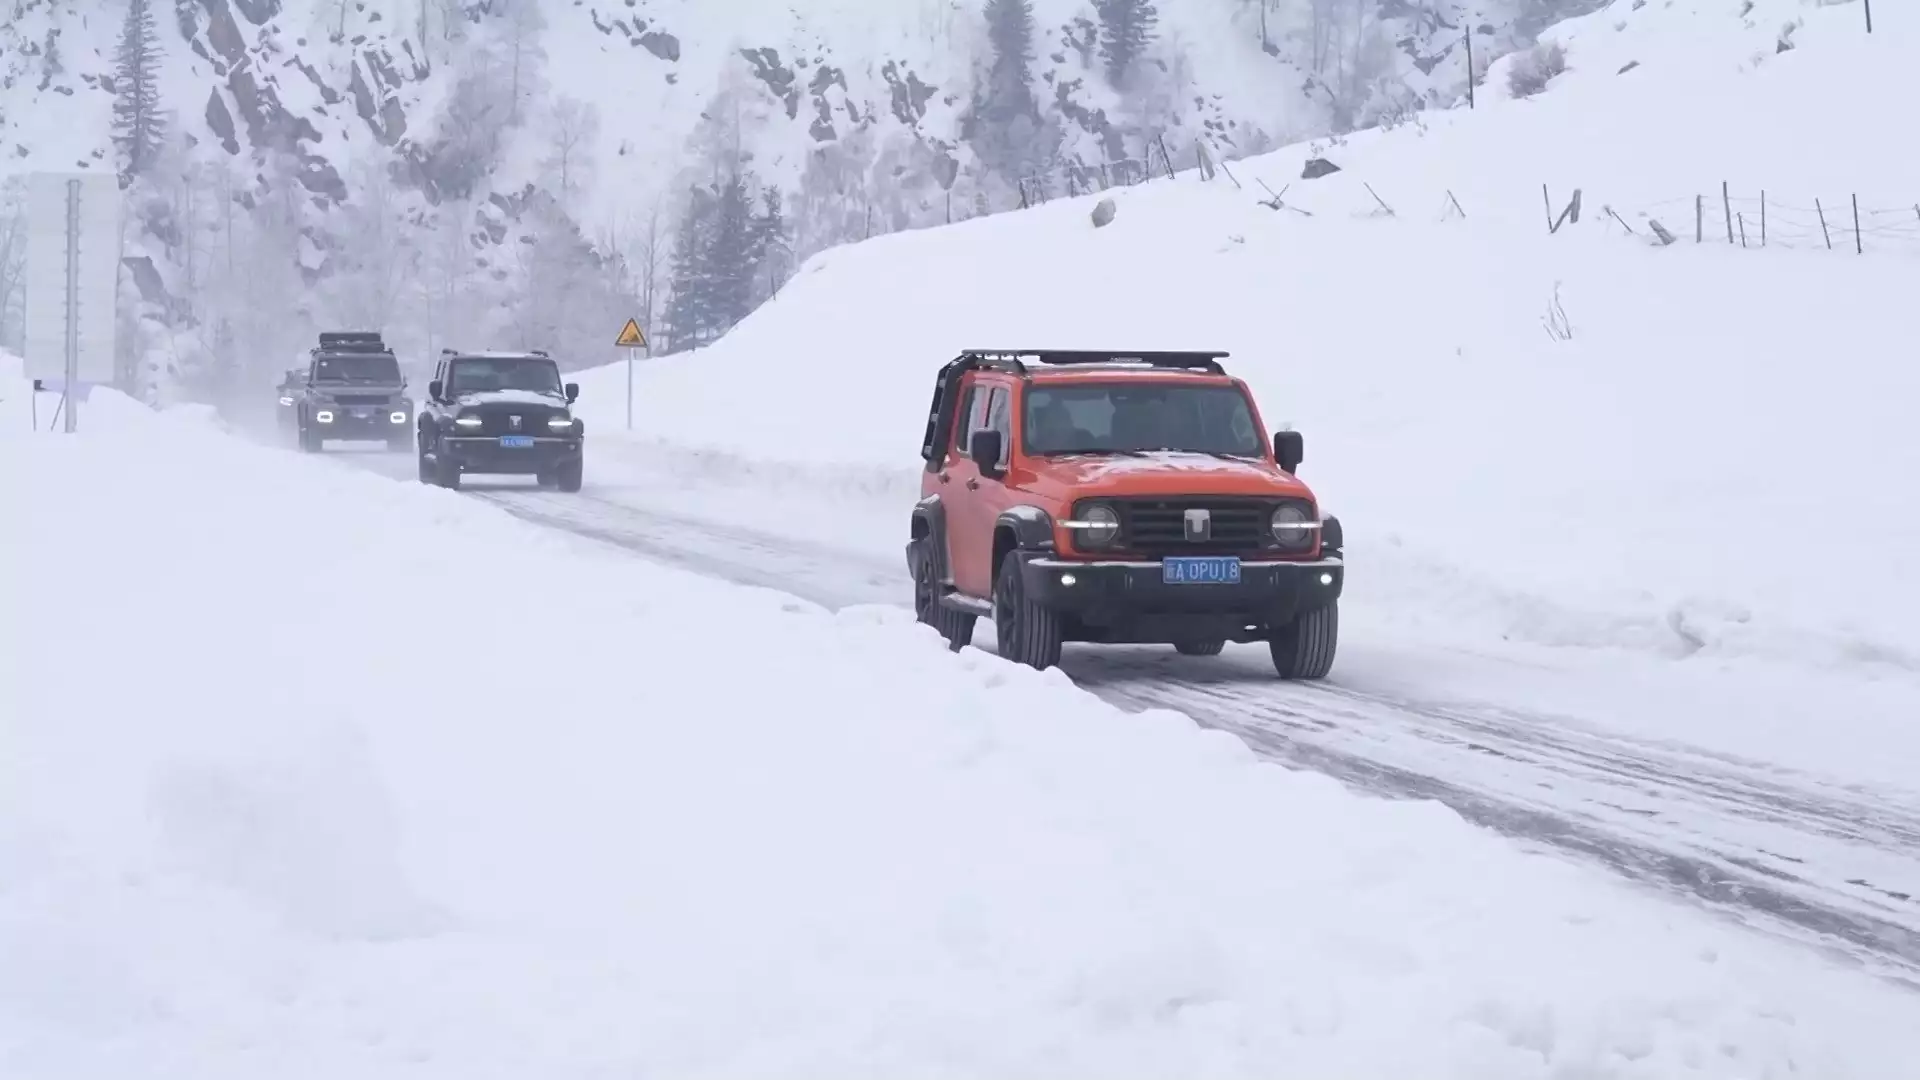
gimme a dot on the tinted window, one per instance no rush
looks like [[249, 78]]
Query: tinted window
[[470, 374], [349, 368], [1106, 418]]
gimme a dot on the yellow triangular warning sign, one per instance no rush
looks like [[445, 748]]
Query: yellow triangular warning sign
[[631, 337]]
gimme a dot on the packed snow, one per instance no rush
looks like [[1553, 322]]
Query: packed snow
[[375, 781]]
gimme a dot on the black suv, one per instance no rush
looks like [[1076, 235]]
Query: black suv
[[353, 389], [505, 413]]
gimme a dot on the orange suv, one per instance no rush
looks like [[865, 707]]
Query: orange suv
[[1120, 498]]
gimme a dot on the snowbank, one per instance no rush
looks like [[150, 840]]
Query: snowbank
[[322, 775], [1576, 439]]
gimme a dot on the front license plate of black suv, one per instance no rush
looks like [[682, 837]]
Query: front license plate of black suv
[[1201, 570], [516, 440]]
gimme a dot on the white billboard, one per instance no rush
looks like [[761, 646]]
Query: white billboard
[[95, 240]]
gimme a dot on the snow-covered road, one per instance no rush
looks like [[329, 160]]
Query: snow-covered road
[[1830, 863]]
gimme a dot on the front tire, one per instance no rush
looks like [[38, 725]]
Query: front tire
[[568, 477], [1029, 633], [955, 626], [1304, 648], [1200, 648], [446, 472]]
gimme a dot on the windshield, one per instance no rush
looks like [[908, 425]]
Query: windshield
[[372, 368], [476, 373], [1120, 418]]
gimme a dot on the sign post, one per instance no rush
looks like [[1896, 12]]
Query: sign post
[[72, 273], [631, 338]]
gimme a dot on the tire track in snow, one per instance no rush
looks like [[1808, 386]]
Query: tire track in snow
[[1631, 806]]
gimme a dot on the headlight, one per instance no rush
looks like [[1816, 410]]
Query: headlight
[[560, 423], [397, 416], [325, 416], [467, 422], [1293, 526], [1097, 526], [286, 401]]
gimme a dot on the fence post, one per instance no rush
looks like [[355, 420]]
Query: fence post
[[1726, 200], [1699, 219], [1548, 200], [1743, 230], [1859, 247], [1165, 158], [1824, 233], [1763, 217], [1869, 7]]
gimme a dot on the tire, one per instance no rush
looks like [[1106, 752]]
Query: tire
[[310, 443], [1029, 634], [568, 477], [955, 626], [426, 469], [446, 473], [1200, 648], [1304, 648]]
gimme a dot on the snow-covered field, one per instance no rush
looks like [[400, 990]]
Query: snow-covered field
[[320, 775]]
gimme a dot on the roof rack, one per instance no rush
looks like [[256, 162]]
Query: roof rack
[[352, 341], [1014, 360]]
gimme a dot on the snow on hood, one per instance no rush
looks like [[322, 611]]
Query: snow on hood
[[511, 397], [1184, 473]]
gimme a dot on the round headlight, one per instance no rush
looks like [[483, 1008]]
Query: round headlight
[[1101, 526], [1289, 526]]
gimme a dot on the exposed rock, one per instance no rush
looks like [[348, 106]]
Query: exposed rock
[[779, 79], [1317, 168], [1103, 213], [221, 121], [664, 46]]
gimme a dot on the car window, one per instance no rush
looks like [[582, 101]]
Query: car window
[[999, 417], [973, 417], [1104, 418]]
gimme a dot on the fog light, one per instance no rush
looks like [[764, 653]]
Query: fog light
[[1326, 579], [398, 417], [324, 417], [1068, 579]]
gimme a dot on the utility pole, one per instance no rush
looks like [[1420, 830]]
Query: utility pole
[[70, 383]]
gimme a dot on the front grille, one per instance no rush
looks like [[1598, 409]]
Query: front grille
[[1238, 526], [498, 419], [362, 400]]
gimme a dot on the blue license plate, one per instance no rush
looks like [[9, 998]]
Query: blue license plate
[[516, 440], [1201, 570]]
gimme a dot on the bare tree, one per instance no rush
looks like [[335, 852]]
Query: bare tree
[[575, 126]]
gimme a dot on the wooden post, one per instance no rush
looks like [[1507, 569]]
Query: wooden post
[[1699, 219], [1824, 233], [1726, 201], [1763, 217], [1869, 7], [1859, 247], [1743, 230], [1165, 158], [1548, 200]]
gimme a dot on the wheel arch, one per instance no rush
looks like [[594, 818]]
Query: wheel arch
[[1020, 528]]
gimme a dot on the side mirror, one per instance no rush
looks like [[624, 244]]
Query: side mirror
[[434, 388], [573, 392], [1289, 449], [984, 448]]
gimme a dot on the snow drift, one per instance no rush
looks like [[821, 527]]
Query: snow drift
[[322, 775]]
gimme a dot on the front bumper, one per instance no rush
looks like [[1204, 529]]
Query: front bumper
[[1126, 600], [350, 424], [484, 454]]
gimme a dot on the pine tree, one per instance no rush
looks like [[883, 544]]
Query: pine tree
[[688, 319], [771, 249], [139, 128], [1005, 125], [1127, 29], [731, 254]]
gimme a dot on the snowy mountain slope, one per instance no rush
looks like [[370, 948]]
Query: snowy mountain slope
[[461, 169], [1623, 484], [872, 858]]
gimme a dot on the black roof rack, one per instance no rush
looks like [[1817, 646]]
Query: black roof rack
[[1015, 360], [352, 341]]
